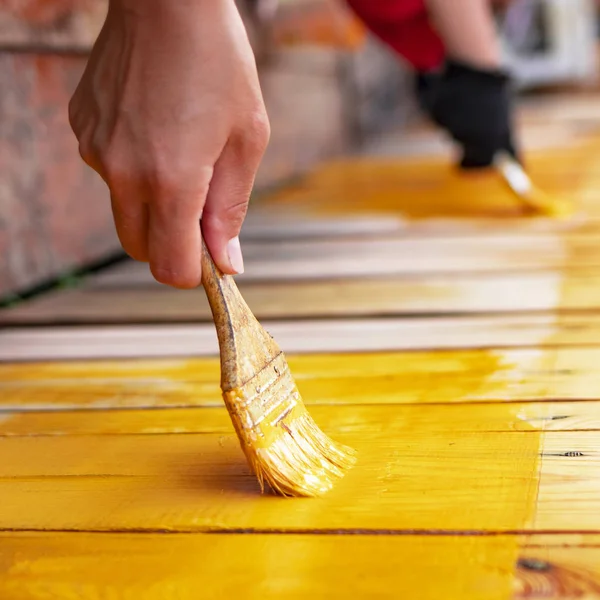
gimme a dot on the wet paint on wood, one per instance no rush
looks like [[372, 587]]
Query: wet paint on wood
[[160, 567], [197, 482]]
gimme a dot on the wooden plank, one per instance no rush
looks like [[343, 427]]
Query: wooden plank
[[288, 221], [569, 467], [298, 337], [327, 259], [570, 470], [558, 567], [372, 378], [456, 294], [40, 565], [477, 479], [359, 419], [36, 566], [431, 189]]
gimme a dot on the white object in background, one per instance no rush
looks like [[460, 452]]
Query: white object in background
[[571, 33]]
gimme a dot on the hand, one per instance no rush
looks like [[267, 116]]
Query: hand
[[474, 106], [169, 112]]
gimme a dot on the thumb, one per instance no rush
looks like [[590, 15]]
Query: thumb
[[227, 204]]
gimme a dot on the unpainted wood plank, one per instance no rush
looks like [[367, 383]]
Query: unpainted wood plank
[[37, 566], [304, 336], [558, 567], [457, 294], [340, 258], [354, 335], [570, 468]]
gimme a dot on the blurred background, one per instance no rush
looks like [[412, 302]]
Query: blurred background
[[330, 90]]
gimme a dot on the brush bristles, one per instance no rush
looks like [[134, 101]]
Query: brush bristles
[[284, 446], [301, 461]]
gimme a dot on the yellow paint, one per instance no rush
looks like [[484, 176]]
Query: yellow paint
[[429, 460], [189, 567], [390, 378], [357, 419], [430, 188], [409, 476], [283, 445]]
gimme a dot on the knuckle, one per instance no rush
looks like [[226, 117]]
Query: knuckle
[[227, 217], [111, 164], [257, 132], [86, 151]]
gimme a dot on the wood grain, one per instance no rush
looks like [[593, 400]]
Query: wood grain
[[158, 567], [36, 566], [558, 567], [186, 482], [304, 336], [393, 419], [458, 294], [371, 378], [130, 474], [196, 482], [368, 378], [386, 255]]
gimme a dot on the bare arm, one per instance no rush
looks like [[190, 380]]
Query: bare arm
[[467, 28]]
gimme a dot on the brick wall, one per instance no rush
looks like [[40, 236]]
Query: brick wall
[[54, 211]]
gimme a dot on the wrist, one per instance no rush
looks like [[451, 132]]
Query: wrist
[[159, 10]]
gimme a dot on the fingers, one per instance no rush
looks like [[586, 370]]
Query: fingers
[[229, 193], [174, 239], [131, 222]]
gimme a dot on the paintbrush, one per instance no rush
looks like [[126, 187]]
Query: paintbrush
[[284, 446], [520, 183]]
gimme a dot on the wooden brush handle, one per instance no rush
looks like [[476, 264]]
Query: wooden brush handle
[[245, 347]]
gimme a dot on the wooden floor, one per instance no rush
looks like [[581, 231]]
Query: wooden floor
[[450, 338]]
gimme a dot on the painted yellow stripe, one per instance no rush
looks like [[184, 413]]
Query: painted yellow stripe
[[160, 567], [425, 475], [388, 378]]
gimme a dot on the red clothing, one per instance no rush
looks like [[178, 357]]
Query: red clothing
[[404, 26]]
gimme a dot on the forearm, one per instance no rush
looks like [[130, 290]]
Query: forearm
[[468, 31]]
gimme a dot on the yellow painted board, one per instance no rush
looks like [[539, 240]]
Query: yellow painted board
[[431, 188], [37, 566], [159, 567], [392, 420], [431, 471], [437, 294], [422, 474], [362, 378]]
